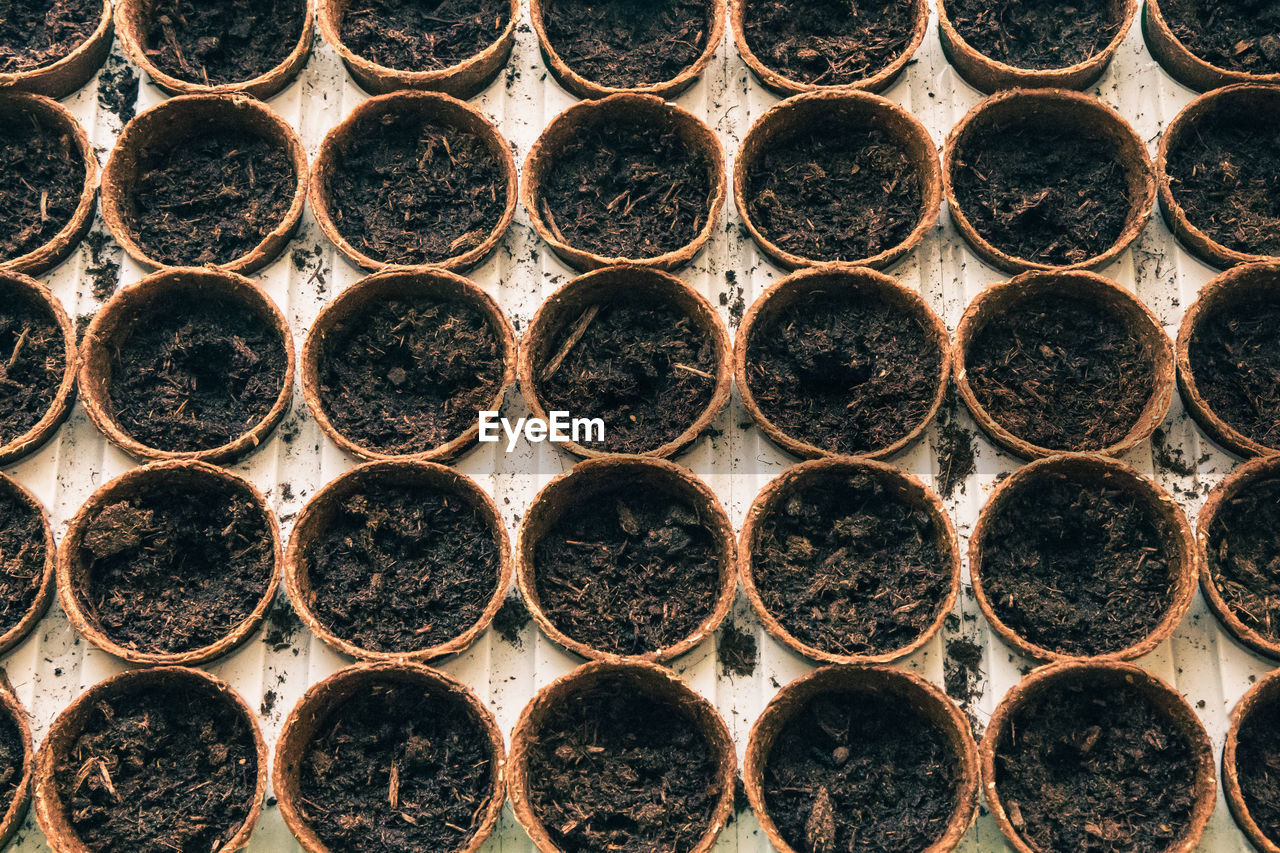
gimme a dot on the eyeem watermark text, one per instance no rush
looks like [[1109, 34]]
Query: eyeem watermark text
[[557, 429]]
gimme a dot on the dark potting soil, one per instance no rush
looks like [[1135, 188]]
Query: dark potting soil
[[1036, 34], [405, 375], [1052, 195], [848, 567], [398, 767], [1238, 35], [834, 193], [36, 33], [1076, 566], [859, 770], [1095, 767], [422, 35], [196, 373], [1061, 372], [213, 42], [402, 568], [1225, 174], [737, 650], [33, 358], [1244, 556], [828, 42], [615, 769], [641, 364], [13, 760], [41, 178], [406, 190], [157, 769], [627, 190], [209, 198], [848, 373], [23, 552], [1257, 757], [175, 567], [629, 570], [627, 43], [1235, 357]]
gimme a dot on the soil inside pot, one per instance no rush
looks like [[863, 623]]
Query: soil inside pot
[[827, 42], [1040, 34], [406, 190], [41, 178], [627, 190], [212, 42], [1238, 35], [860, 770], [1225, 174], [175, 568], [641, 364], [1044, 193], [1257, 756], [1244, 556], [616, 769], [402, 568], [210, 198], [13, 760], [159, 768], [834, 193], [1061, 372], [1235, 358], [23, 552], [422, 35], [1076, 566], [628, 570], [627, 43], [405, 375], [1095, 767], [36, 33], [848, 373], [195, 373], [399, 767], [33, 358], [849, 567]]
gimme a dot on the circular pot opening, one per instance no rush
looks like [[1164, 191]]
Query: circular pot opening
[[55, 51], [1207, 44]]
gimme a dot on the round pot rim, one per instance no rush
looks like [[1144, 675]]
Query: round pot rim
[[1183, 544], [15, 815], [318, 701], [69, 73], [585, 287], [44, 594], [1106, 296], [1179, 62], [603, 468], [224, 283], [401, 470], [1232, 790], [862, 277], [428, 280], [406, 102], [69, 561]]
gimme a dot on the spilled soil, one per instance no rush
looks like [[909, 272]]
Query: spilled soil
[[213, 42], [827, 42], [1039, 34], [511, 619], [953, 445], [118, 88], [627, 43], [1244, 555], [33, 358], [1257, 756], [1235, 358], [422, 36], [23, 552], [41, 178], [1238, 35], [736, 647], [36, 33]]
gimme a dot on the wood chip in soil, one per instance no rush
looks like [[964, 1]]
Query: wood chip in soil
[[215, 42], [422, 35], [828, 42], [1235, 358], [37, 33], [41, 178], [1038, 34], [627, 43], [33, 358]]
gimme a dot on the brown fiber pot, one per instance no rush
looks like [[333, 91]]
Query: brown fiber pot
[[1174, 529], [1108, 297], [16, 814], [1236, 285], [1227, 104], [52, 812], [582, 87], [1260, 695], [785, 86], [132, 305], [1063, 108], [582, 483], [394, 284], [463, 80], [68, 74], [15, 285], [17, 106], [1104, 674], [133, 19], [649, 680], [896, 684], [630, 109], [73, 573], [988, 74], [44, 595], [324, 505], [850, 279], [853, 109], [197, 114], [567, 304], [901, 484], [1180, 63], [321, 699], [441, 109]]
